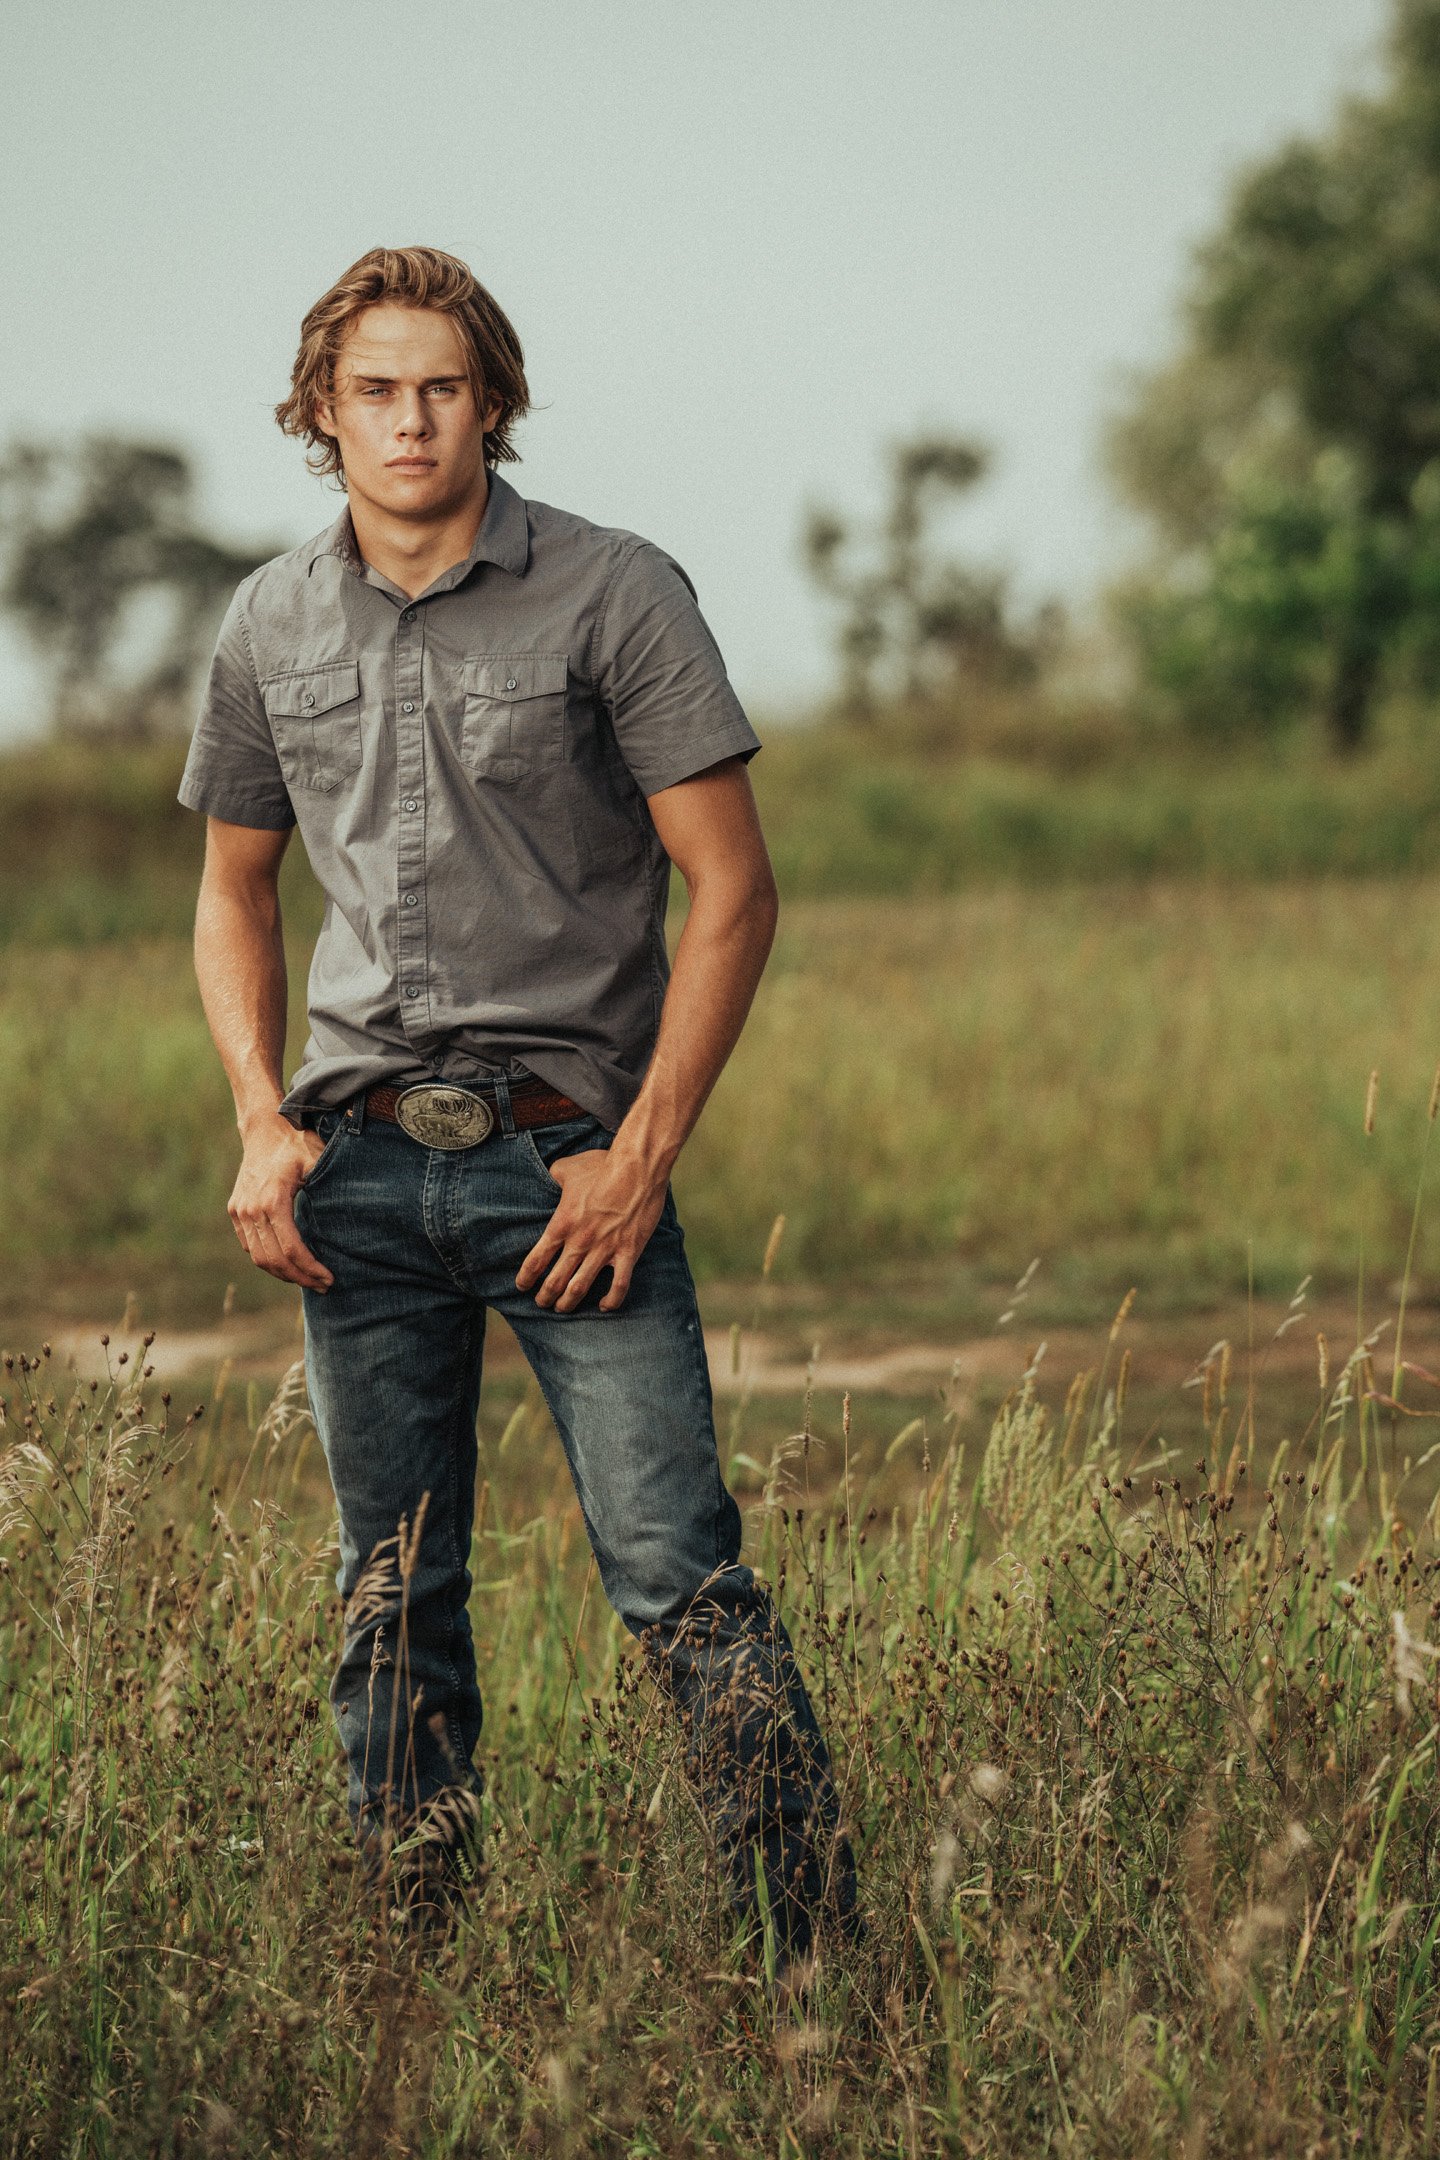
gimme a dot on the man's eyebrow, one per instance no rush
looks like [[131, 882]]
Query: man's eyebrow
[[357, 377]]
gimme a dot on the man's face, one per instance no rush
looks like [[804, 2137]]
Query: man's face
[[404, 415]]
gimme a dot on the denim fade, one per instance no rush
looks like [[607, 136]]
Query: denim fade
[[421, 1242]]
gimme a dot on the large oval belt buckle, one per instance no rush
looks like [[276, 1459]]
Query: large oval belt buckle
[[444, 1117]]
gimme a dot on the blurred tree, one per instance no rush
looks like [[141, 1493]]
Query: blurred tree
[[1305, 589], [106, 572], [1288, 456], [913, 625]]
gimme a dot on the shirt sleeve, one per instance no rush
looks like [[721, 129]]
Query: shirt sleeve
[[660, 676], [232, 770]]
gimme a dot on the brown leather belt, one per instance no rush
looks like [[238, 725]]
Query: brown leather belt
[[531, 1102]]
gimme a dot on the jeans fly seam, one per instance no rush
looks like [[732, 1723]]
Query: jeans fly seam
[[430, 1191]]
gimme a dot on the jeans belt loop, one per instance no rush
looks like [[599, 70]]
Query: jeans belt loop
[[355, 1111], [501, 1085]]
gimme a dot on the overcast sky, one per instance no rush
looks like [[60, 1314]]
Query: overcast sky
[[743, 243]]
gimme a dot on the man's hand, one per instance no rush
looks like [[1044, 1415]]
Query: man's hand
[[240, 967], [278, 1158], [607, 1208]]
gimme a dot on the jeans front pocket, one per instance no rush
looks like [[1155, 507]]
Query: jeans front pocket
[[314, 715], [514, 724], [575, 1137], [332, 1128]]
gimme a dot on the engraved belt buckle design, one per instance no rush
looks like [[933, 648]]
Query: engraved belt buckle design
[[444, 1117]]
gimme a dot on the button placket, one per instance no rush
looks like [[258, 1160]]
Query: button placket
[[411, 940]]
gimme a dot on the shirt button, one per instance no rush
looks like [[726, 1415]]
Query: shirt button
[[407, 707], [410, 803], [309, 698], [409, 615], [412, 993], [410, 899], [509, 685]]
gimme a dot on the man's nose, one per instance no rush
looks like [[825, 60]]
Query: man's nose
[[412, 420]]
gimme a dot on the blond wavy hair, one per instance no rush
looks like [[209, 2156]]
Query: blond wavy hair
[[414, 277]]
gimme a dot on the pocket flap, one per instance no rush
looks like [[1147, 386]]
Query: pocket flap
[[313, 690], [512, 676]]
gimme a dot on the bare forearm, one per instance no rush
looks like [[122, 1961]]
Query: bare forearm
[[240, 968], [612, 1198], [718, 964]]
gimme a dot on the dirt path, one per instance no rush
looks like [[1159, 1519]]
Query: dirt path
[[260, 1345], [1164, 1353]]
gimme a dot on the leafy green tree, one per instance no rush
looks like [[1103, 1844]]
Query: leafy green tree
[[1303, 585], [913, 624], [112, 581], [1287, 456]]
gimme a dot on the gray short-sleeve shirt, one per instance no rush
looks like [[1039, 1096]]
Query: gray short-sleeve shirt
[[469, 772]]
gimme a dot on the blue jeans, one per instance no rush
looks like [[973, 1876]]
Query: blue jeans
[[420, 1242]]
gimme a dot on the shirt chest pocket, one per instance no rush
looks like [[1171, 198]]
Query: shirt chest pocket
[[514, 722], [314, 717]]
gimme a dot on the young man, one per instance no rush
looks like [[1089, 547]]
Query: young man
[[496, 726]]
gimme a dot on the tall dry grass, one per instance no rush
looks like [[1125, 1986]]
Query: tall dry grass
[[1139, 1755]]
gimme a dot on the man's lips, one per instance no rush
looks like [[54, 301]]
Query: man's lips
[[411, 464]]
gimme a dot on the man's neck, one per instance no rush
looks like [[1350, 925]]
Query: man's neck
[[411, 554]]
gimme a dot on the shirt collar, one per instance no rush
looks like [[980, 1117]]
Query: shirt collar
[[503, 539]]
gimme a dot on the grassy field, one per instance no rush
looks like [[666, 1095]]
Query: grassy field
[[99, 850], [1065, 995], [1159, 1084], [1138, 1751], [1126, 1670], [853, 815]]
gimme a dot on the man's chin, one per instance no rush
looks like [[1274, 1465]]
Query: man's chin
[[413, 495]]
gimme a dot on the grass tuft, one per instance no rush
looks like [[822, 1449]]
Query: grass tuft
[[1138, 1753]]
